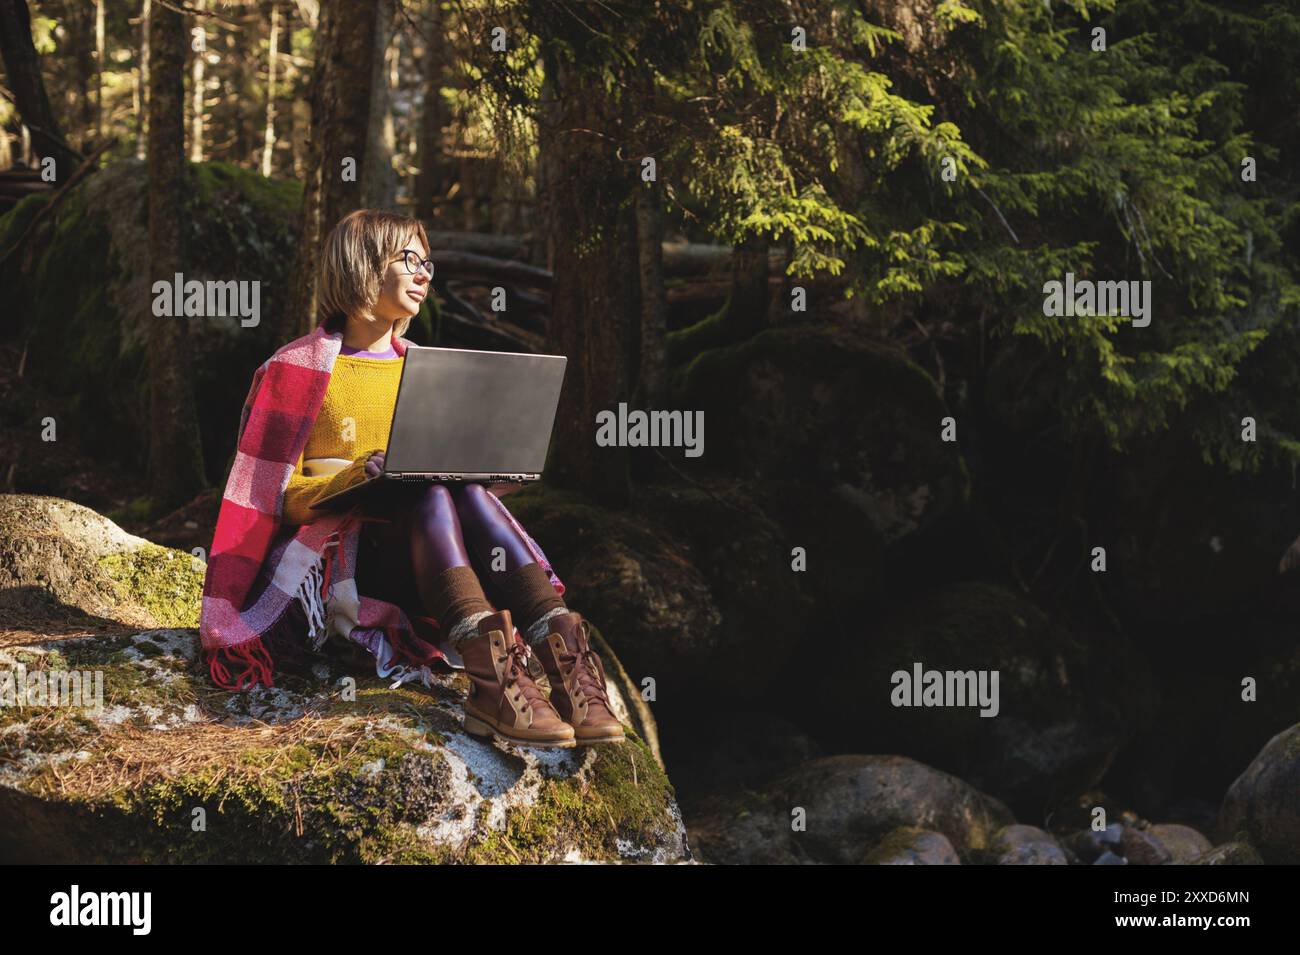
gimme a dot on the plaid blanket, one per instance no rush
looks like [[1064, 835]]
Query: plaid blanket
[[258, 565]]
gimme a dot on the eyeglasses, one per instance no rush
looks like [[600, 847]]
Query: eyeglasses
[[414, 263]]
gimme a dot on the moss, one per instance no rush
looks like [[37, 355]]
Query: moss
[[311, 803], [215, 182], [626, 798], [162, 581], [684, 344]]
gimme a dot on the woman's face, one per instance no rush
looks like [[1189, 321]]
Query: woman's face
[[401, 292]]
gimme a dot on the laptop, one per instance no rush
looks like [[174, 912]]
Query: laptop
[[466, 415]]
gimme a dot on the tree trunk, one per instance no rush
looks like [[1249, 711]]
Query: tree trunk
[[654, 299], [175, 454], [272, 60], [379, 186], [200, 45], [547, 153], [81, 120], [142, 85], [428, 184], [594, 303], [23, 77], [750, 295], [100, 53], [340, 114]]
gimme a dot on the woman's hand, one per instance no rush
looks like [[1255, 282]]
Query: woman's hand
[[375, 464]]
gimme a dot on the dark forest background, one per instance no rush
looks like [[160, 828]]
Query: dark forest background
[[827, 224]]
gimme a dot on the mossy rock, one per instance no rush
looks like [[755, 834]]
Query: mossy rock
[[837, 809], [1068, 699], [910, 845], [694, 586], [846, 415], [65, 557], [336, 767], [1263, 806], [332, 765]]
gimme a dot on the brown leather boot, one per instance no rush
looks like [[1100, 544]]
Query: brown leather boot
[[503, 699], [577, 680]]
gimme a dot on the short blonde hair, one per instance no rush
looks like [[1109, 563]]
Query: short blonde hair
[[353, 262]]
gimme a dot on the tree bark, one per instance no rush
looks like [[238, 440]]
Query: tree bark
[[547, 154], [272, 60], [340, 114], [23, 76], [750, 295], [594, 303], [100, 53], [81, 122], [654, 299], [379, 187], [429, 184], [143, 84], [175, 453], [200, 35]]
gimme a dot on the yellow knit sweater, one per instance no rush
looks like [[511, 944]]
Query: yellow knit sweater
[[353, 423]]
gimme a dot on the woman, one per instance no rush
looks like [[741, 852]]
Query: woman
[[319, 400]]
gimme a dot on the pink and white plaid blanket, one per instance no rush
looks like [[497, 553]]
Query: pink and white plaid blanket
[[258, 565]]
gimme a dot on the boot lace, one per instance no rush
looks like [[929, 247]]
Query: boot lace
[[583, 663], [518, 678]]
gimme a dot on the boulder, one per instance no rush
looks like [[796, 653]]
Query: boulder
[[1230, 853], [908, 845], [1025, 845], [60, 558], [124, 752], [1143, 847], [1183, 843], [694, 592], [1263, 806], [856, 419], [1068, 699], [836, 809]]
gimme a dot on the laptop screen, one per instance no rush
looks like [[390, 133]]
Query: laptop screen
[[460, 410]]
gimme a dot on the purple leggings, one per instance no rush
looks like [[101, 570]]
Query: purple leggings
[[433, 527]]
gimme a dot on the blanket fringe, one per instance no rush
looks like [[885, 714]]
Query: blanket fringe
[[313, 603], [250, 660]]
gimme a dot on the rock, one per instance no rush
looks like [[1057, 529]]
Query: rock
[[711, 611], [1143, 847], [1182, 842], [848, 804], [1068, 700], [1110, 858], [1025, 845], [908, 845], [1230, 853], [59, 557], [1263, 805], [857, 419], [1088, 844], [148, 762], [299, 774]]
